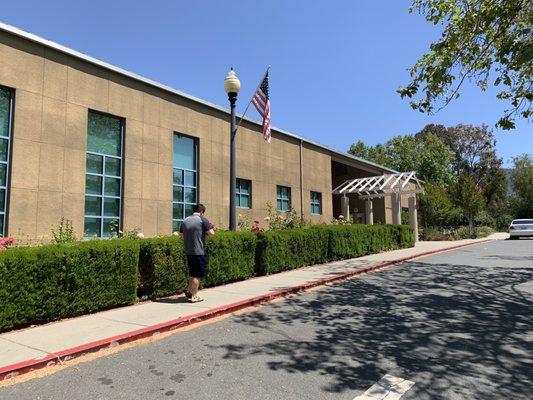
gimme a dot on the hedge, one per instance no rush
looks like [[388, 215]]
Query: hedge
[[231, 257], [163, 270], [162, 267], [350, 241], [40, 284], [289, 249]]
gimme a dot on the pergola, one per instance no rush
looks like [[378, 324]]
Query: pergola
[[394, 185]]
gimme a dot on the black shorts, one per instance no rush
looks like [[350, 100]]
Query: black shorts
[[197, 265]]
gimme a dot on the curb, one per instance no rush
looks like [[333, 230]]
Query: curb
[[23, 367]]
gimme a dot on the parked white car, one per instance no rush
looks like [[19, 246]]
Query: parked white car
[[521, 228]]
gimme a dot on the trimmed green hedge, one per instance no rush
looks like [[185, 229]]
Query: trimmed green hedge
[[231, 257], [289, 249], [284, 250], [163, 265], [350, 241], [40, 284]]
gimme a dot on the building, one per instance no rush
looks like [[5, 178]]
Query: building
[[103, 147]]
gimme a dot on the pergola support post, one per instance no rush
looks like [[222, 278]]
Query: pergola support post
[[413, 216], [369, 210], [396, 208], [345, 207]]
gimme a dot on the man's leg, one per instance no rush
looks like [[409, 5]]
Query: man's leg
[[194, 284]]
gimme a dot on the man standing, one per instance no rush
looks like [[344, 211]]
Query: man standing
[[193, 229]]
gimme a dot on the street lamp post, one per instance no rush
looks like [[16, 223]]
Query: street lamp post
[[232, 86]]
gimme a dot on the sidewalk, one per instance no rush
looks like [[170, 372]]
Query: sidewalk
[[37, 347]]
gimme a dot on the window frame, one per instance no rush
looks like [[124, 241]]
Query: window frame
[[280, 198], [10, 121], [196, 186], [316, 203], [103, 175], [240, 195]]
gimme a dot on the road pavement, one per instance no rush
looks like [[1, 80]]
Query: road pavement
[[457, 325]]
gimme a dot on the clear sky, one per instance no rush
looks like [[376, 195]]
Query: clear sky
[[336, 65]]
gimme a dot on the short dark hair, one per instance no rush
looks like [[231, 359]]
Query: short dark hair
[[199, 208]]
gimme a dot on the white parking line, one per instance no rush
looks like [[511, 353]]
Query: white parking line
[[387, 388]]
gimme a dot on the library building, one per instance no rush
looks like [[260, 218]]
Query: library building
[[107, 149]]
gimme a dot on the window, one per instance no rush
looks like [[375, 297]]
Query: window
[[244, 193], [6, 108], [185, 181], [283, 200], [103, 179], [316, 203]]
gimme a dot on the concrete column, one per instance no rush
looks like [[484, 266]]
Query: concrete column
[[369, 209], [413, 216], [345, 207], [396, 209]]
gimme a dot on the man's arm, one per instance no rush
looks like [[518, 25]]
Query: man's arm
[[208, 227]]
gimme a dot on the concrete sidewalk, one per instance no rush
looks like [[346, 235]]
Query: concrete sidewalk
[[36, 347]]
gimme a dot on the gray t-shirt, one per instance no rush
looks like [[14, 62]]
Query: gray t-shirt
[[194, 229]]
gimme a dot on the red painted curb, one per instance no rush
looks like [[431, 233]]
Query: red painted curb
[[23, 367]]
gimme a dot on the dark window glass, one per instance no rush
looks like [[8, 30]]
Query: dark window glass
[[316, 203], [6, 105], [283, 200], [243, 193], [185, 178], [4, 146], [104, 135], [103, 183]]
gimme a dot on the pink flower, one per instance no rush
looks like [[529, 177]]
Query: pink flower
[[281, 217], [267, 218], [341, 216]]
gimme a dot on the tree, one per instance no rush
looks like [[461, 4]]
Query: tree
[[427, 155], [522, 182], [484, 41], [467, 196], [437, 209], [474, 155]]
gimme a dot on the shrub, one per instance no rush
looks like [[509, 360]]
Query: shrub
[[463, 232], [63, 233], [163, 264], [406, 236], [40, 284], [231, 257], [162, 267], [289, 249], [349, 241], [503, 221]]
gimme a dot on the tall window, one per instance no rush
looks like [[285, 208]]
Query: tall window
[[185, 184], [283, 199], [103, 180], [6, 107], [244, 193], [316, 203]]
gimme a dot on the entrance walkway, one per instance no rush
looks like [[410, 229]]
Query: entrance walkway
[[39, 346]]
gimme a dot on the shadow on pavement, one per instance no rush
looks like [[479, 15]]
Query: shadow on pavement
[[453, 329]]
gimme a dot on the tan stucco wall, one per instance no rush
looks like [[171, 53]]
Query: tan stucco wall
[[53, 93]]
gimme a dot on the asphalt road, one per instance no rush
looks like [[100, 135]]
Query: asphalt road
[[459, 325]]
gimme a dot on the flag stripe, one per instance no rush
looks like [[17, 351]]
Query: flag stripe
[[261, 103]]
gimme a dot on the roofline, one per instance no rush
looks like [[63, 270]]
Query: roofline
[[63, 49]]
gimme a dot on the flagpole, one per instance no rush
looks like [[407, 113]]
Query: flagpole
[[250, 102]]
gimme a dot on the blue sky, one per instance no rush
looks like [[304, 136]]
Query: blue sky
[[336, 65]]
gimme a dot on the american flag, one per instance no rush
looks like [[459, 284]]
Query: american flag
[[262, 104]]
